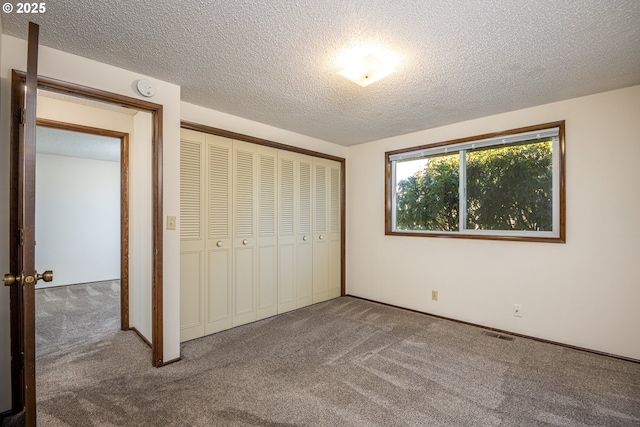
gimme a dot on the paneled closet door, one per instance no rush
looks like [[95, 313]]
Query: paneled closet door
[[267, 242], [219, 256], [335, 228], [304, 240], [287, 214], [192, 239], [245, 233], [321, 177]]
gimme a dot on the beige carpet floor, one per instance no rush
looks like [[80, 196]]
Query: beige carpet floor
[[345, 362]]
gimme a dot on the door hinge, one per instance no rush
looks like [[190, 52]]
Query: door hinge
[[23, 115], [21, 236]]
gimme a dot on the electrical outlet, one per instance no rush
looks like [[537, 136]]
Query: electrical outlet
[[517, 310], [171, 222], [434, 295]]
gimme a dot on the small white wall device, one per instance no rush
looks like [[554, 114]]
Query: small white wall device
[[145, 88]]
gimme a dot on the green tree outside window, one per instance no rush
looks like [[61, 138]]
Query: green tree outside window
[[507, 188]]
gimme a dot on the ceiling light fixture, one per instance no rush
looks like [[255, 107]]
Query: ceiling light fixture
[[366, 70]]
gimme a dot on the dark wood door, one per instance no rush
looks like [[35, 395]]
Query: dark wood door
[[23, 276]]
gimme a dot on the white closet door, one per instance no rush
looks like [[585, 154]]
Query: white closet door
[[304, 240], [287, 214], [321, 177], [267, 222], [335, 241], [219, 291], [192, 246], [260, 232], [244, 239]]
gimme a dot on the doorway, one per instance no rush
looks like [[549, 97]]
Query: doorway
[[89, 138], [81, 221], [154, 219], [81, 224]]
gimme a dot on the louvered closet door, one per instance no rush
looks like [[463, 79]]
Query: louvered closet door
[[335, 241], [267, 244], [287, 214], [245, 233], [219, 273], [192, 238], [304, 240], [321, 176]]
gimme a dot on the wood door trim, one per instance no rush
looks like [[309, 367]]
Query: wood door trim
[[156, 110], [124, 203], [343, 224], [26, 176], [15, 304], [343, 170], [157, 267]]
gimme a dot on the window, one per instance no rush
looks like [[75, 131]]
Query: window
[[507, 185]]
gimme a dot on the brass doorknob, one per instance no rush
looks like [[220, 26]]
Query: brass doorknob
[[47, 276], [10, 279]]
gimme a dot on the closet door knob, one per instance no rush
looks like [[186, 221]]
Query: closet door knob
[[320, 237], [219, 244], [304, 238], [245, 241]]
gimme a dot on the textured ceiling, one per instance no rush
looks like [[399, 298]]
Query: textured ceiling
[[75, 144], [276, 61]]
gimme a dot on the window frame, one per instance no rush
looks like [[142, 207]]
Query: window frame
[[557, 235]]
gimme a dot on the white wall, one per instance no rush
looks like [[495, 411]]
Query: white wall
[[86, 115], [71, 68], [140, 229], [582, 293], [77, 219]]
